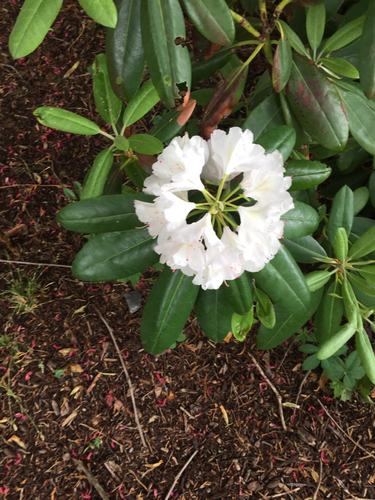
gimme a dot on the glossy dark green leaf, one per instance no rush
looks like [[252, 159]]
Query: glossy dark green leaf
[[366, 53], [282, 64], [212, 18], [366, 353], [306, 174], [214, 313], [293, 38], [106, 102], [332, 6], [304, 250], [287, 323], [145, 144], [363, 285], [124, 50], [102, 11], [136, 174], [317, 279], [265, 117], [203, 69], [239, 295], [329, 314], [302, 137], [333, 344], [301, 220], [315, 23], [32, 25], [281, 138], [169, 64], [98, 174], [351, 305], [167, 127], [340, 244], [282, 280], [113, 184], [368, 272], [342, 213], [371, 186], [167, 309], [360, 199], [116, 255], [102, 215], [317, 105], [345, 35], [340, 66], [364, 245], [265, 309], [65, 121], [144, 100]]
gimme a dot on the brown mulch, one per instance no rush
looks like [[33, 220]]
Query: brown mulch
[[67, 402]]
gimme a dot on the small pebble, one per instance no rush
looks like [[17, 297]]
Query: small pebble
[[134, 301]]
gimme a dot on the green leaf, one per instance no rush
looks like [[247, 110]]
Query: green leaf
[[238, 293], [102, 11], [281, 138], [140, 104], [32, 25], [341, 213], [330, 346], [167, 127], [106, 102], [344, 36], [366, 353], [282, 64], [212, 18], [371, 186], [340, 244], [287, 323], [167, 309], [366, 53], [317, 105], [214, 313], [203, 69], [113, 184], [102, 215], [65, 121], [293, 38], [202, 96], [145, 144], [315, 23], [282, 280], [340, 66], [116, 255], [169, 64], [266, 116], [136, 174], [368, 273], [97, 175], [241, 324], [353, 365], [300, 221], [364, 245], [302, 137], [362, 285], [351, 305], [264, 309], [306, 174], [304, 250], [124, 50], [334, 367], [121, 143], [329, 314], [317, 279], [360, 199], [308, 348], [311, 363]]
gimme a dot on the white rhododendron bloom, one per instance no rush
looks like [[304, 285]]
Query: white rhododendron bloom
[[205, 225]]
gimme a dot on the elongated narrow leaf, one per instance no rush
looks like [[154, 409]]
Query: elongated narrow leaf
[[214, 313], [287, 323], [368, 273], [102, 215], [366, 353], [212, 18], [351, 305], [293, 38], [344, 36], [363, 285], [203, 69], [32, 25], [106, 102], [264, 309], [282, 280], [238, 293], [102, 11], [340, 66], [306, 174], [333, 344], [304, 250], [167, 127], [145, 144], [302, 137], [366, 53], [116, 255], [364, 245], [340, 244], [167, 309], [281, 138], [360, 199], [282, 64], [136, 174], [124, 50], [317, 279], [140, 104], [300, 221], [342, 213], [98, 175], [315, 22], [65, 121], [265, 117], [169, 64], [317, 105], [329, 314]]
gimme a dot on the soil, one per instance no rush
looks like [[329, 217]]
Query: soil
[[65, 404]]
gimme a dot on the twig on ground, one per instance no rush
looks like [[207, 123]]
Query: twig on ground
[[345, 433], [33, 263], [347, 491], [302, 384], [80, 466], [285, 355], [127, 377], [180, 474], [320, 480], [278, 397], [281, 494], [13, 68]]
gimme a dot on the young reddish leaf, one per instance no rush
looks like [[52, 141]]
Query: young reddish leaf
[[187, 110]]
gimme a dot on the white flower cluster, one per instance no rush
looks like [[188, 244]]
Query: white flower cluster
[[195, 247]]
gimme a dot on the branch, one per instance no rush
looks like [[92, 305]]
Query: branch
[[180, 474], [80, 466]]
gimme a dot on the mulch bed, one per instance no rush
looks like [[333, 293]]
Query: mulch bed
[[67, 408]]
